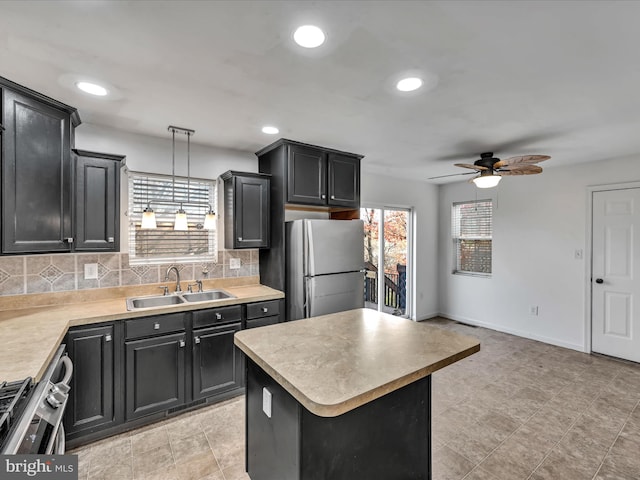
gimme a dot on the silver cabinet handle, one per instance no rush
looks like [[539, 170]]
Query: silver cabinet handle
[[181, 343], [265, 309], [239, 239], [218, 316], [69, 239], [333, 197], [107, 338], [323, 196], [196, 340], [110, 239], [156, 326]]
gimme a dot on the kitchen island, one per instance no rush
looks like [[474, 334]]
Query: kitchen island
[[344, 396]]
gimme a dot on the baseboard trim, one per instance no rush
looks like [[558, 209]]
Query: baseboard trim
[[512, 331]]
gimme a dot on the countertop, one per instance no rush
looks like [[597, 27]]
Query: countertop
[[31, 334], [334, 363]]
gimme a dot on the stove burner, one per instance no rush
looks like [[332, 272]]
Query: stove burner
[[13, 397]]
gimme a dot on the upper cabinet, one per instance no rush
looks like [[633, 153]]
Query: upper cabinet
[[54, 199], [97, 201], [36, 171], [246, 210], [314, 175]]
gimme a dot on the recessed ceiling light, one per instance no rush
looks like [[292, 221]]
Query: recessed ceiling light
[[409, 84], [92, 88], [269, 130], [309, 36]]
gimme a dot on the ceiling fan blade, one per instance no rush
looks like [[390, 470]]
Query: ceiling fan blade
[[452, 175], [474, 167], [524, 170], [522, 160]]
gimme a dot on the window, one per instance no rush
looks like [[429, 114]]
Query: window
[[164, 244], [471, 229]]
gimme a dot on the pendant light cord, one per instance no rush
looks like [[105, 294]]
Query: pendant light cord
[[173, 163]]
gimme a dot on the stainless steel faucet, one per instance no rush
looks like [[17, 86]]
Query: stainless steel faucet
[[175, 269]]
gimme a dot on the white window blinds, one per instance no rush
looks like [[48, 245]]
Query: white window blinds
[[471, 228], [164, 244]]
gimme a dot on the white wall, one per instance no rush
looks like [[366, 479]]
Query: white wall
[[538, 224], [379, 190]]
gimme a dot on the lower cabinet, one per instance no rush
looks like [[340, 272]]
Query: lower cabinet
[[91, 404], [149, 366], [155, 373], [217, 362]]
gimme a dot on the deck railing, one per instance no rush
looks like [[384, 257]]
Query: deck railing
[[395, 287]]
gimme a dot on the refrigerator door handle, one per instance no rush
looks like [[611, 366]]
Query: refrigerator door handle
[[307, 296]]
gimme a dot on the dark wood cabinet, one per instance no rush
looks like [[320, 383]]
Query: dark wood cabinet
[[307, 175], [246, 210], [155, 374], [217, 362], [343, 184], [91, 403], [36, 171], [314, 175], [97, 201], [260, 314]]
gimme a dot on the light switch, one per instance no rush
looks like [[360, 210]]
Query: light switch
[[266, 402], [90, 271]]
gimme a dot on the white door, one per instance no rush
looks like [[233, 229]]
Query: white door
[[615, 283]]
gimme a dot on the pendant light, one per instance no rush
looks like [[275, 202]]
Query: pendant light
[[210, 220], [180, 223], [148, 218]]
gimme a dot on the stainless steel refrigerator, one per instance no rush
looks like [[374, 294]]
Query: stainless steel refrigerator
[[324, 267]]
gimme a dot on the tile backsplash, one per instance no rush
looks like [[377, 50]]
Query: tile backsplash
[[65, 272]]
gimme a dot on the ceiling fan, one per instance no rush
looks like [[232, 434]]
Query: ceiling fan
[[492, 169]]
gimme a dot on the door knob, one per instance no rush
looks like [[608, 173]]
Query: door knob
[[599, 280]]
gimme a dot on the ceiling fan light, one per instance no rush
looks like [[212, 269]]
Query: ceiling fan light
[[487, 181]]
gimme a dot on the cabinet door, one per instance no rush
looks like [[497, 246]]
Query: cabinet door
[[36, 176], [154, 369], [217, 362], [307, 173], [91, 398], [344, 180], [97, 202], [251, 212]]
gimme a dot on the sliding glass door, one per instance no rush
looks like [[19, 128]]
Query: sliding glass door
[[387, 259]]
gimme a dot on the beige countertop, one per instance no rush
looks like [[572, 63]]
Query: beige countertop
[[30, 334], [334, 363]]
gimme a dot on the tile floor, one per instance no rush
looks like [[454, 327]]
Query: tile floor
[[518, 409]]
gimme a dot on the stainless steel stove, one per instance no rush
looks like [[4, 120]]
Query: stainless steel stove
[[31, 414]]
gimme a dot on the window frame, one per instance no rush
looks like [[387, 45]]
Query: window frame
[[195, 214], [457, 237]]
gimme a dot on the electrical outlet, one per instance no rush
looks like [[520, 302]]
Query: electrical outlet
[[533, 310], [234, 263], [266, 402], [90, 271]]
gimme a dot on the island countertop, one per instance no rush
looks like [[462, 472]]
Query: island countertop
[[335, 363]]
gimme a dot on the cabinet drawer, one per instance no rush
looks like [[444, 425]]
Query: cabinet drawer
[[144, 327], [204, 318], [263, 309], [261, 322]]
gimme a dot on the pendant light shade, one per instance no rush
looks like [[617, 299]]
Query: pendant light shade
[[148, 218], [487, 181], [210, 220], [181, 220]]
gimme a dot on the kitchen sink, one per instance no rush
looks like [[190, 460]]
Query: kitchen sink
[[137, 303], [154, 301], [207, 296]]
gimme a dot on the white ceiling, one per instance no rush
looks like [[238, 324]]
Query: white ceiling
[[521, 77]]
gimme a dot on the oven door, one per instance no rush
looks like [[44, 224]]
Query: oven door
[[39, 430]]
